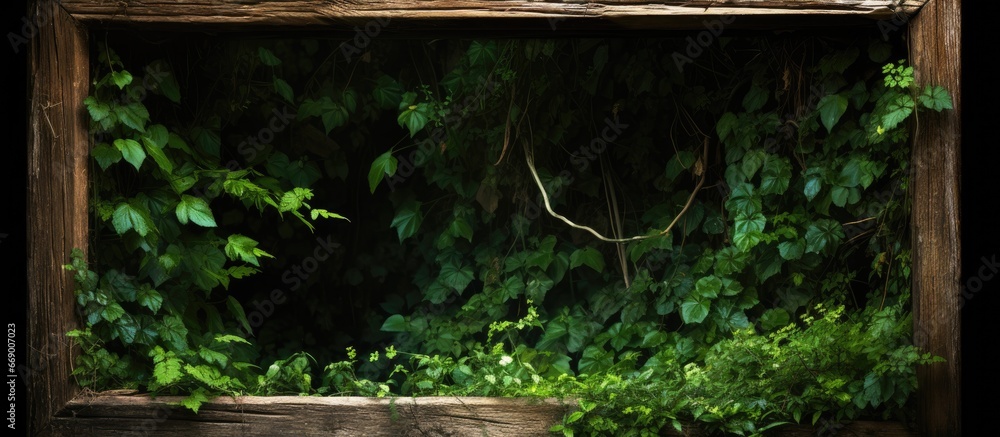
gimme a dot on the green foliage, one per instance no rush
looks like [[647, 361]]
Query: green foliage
[[144, 323], [776, 180]]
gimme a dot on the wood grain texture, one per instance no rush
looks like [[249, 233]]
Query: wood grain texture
[[310, 416], [57, 203], [299, 14], [935, 52], [352, 416]]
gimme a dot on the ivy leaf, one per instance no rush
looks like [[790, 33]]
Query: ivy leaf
[[156, 152], [694, 309], [727, 124], [812, 188], [284, 89], [482, 53], [150, 298], [112, 312], [387, 92], [460, 228], [456, 277], [831, 108], [105, 155], [743, 200], [236, 309], [294, 199], [774, 318], [823, 233], [897, 110], [128, 216], [839, 195], [98, 110], [776, 175], [730, 260], [407, 220], [384, 165], [395, 323], [132, 151], [749, 230], [244, 248], [334, 116], [121, 78], [587, 256], [792, 250], [133, 115], [438, 292], [755, 99], [267, 57], [850, 176], [350, 99], [172, 329], [729, 317], [935, 98], [165, 82], [211, 356], [752, 161], [195, 209], [683, 160], [767, 265], [414, 118], [207, 138], [595, 360], [708, 287], [512, 288]]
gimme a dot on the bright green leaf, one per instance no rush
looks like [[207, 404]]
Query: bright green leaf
[[195, 209]]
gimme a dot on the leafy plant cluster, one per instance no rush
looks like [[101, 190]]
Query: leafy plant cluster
[[752, 269]]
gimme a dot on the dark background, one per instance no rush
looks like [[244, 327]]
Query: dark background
[[980, 236]]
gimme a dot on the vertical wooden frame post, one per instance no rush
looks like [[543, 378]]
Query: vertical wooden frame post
[[935, 52], [57, 202]]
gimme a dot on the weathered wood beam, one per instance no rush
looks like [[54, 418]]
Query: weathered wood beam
[[59, 80], [299, 14], [331, 416], [936, 55], [309, 416]]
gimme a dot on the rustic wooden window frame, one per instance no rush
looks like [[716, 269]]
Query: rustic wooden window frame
[[58, 220]]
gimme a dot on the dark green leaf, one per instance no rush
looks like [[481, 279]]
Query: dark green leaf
[[935, 98], [105, 155], [407, 220], [414, 118], [267, 57], [284, 89], [755, 98], [694, 309], [831, 108], [395, 323], [792, 250], [587, 256], [823, 233], [384, 165]]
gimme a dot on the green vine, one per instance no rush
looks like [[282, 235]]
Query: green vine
[[752, 271]]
